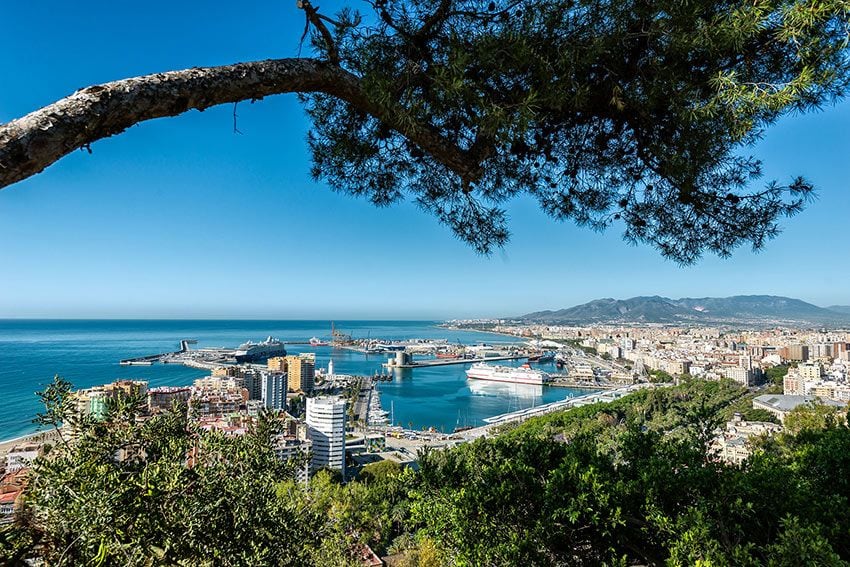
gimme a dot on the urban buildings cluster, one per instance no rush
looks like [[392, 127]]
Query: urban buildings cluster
[[818, 365], [229, 401], [709, 352], [822, 377]]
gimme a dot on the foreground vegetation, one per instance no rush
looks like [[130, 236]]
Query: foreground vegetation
[[628, 482]]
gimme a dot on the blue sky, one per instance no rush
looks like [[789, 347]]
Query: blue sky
[[183, 218]]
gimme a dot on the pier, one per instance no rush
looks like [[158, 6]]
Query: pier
[[204, 358], [448, 361], [563, 381], [146, 360]]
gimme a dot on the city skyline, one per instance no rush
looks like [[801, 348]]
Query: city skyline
[[183, 218]]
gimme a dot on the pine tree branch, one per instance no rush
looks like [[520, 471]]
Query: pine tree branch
[[30, 144]]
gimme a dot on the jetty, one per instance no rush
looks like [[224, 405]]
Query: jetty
[[448, 361], [564, 381], [205, 358]]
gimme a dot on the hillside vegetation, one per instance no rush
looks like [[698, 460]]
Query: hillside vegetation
[[629, 482]]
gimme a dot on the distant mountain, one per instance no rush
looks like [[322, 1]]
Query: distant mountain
[[760, 309], [840, 308], [758, 306], [648, 309]]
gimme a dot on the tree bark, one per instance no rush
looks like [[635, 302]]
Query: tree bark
[[31, 143]]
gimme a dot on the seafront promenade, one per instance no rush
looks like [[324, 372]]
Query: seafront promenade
[[521, 415]]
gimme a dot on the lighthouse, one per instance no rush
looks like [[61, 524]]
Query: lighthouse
[[330, 368]]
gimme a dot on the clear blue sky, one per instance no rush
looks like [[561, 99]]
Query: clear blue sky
[[183, 218]]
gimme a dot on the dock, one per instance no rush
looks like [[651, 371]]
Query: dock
[[205, 358], [146, 360], [448, 361], [562, 381]]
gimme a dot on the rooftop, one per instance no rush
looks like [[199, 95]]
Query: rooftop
[[784, 402]]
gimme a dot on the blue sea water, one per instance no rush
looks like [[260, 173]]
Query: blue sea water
[[87, 353]]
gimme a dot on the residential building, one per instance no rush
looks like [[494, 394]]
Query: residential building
[[678, 367], [20, 456], [301, 370], [274, 389], [326, 429], [11, 487], [793, 384], [94, 401], [744, 376], [794, 352], [277, 364], [162, 398], [811, 371], [733, 444], [253, 382], [216, 396], [294, 443]]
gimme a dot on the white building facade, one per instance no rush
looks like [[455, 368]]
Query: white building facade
[[326, 429]]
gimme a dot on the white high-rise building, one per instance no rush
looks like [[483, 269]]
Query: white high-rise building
[[326, 429], [274, 386]]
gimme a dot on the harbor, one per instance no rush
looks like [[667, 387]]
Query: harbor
[[400, 387], [425, 396]]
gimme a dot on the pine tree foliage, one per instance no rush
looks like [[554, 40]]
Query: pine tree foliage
[[634, 113]]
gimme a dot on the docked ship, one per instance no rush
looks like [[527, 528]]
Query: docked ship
[[521, 375], [251, 352], [315, 341]]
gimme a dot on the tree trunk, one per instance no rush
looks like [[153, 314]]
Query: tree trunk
[[33, 142]]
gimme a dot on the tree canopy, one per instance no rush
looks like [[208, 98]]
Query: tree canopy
[[633, 113], [631, 482]]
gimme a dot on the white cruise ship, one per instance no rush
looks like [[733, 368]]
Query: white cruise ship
[[251, 352], [522, 375]]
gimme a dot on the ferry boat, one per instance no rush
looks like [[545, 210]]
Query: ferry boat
[[522, 375], [250, 352], [315, 341]]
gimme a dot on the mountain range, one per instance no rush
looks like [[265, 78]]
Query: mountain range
[[739, 309]]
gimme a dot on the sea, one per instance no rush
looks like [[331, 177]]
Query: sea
[[87, 353]]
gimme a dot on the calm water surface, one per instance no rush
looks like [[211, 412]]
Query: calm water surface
[[87, 353]]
